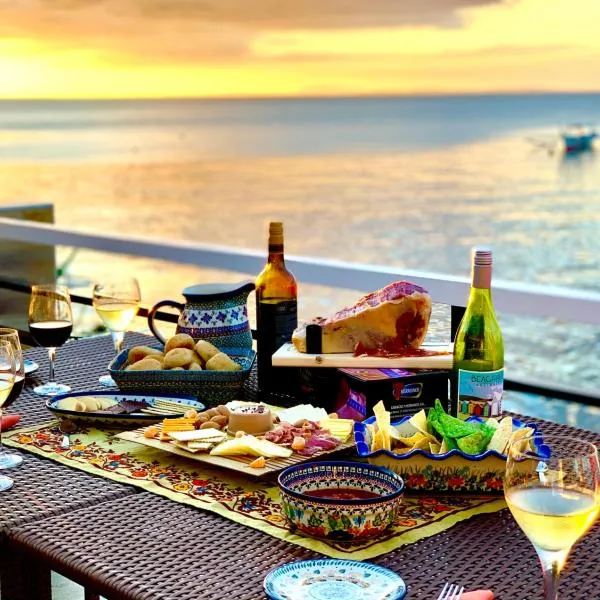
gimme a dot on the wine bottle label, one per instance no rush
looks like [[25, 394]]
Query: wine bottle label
[[276, 322], [480, 393]]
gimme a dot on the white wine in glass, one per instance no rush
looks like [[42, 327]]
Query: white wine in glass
[[7, 380], [116, 302], [553, 492], [10, 460]]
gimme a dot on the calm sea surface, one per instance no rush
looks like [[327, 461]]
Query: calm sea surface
[[405, 182]]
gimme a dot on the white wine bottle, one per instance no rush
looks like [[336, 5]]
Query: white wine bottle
[[478, 365]]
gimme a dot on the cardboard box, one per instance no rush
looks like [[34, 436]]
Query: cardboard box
[[403, 391]]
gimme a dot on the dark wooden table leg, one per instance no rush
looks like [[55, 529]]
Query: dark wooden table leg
[[23, 577]]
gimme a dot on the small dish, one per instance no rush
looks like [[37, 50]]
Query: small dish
[[338, 500], [30, 366], [326, 579], [132, 420]]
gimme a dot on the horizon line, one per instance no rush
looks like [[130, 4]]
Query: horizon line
[[308, 96]]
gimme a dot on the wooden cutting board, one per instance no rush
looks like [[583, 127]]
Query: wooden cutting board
[[288, 356]]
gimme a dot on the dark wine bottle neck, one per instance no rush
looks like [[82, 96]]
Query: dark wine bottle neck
[[276, 254]]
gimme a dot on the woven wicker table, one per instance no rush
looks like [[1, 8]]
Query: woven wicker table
[[44, 488], [146, 547]]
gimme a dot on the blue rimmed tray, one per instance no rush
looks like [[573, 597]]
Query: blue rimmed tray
[[453, 471], [132, 420]]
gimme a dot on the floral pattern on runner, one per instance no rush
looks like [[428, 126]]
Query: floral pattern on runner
[[250, 502]]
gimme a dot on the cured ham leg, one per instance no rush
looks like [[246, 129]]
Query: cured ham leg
[[386, 321]]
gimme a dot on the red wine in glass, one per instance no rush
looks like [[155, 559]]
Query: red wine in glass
[[50, 324], [51, 334]]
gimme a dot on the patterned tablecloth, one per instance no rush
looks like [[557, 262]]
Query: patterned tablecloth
[[252, 503]]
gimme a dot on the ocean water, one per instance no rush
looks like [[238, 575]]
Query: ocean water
[[405, 182]]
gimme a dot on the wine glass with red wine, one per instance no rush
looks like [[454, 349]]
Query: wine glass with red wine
[[11, 337], [50, 324]]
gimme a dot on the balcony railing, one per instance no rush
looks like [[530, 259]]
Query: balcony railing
[[562, 304]]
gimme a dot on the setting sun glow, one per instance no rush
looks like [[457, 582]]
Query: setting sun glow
[[135, 49]]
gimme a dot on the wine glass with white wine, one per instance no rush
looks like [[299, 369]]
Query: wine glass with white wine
[[553, 492], [7, 380], [7, 334], [116, 301]]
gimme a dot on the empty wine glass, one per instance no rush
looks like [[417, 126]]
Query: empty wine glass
[[11, 336], [116, 301], [553, 492], [7, 380], [50, 324]]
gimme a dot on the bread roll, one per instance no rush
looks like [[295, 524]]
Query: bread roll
[[178, 357], [195, 367], [181, 340], [222, 362], [206, 350], [139, 352], [146, 364]]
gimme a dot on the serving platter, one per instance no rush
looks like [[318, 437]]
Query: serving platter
[[235, 463], [160, 407], [288, 356]]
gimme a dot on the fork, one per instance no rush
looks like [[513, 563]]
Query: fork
[[450, 592]]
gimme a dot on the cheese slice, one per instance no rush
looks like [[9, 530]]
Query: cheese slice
[[339, 428], [249, 445], [199, 434]]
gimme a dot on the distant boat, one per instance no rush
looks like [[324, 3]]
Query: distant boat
[[579, 138]]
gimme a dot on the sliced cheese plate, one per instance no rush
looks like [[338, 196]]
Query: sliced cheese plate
[[288, 356], [235, 463]]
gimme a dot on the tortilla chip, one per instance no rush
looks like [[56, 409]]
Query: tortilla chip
[[525, 434], [419, 422], [444, 447], [434, 448], [503, 432], [383, 419], [378, 442]]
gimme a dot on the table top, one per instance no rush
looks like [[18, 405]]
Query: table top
[[145, 547], [42, 487]]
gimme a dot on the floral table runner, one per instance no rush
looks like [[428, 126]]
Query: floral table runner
[[249, 502]]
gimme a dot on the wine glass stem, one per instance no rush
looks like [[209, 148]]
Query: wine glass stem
[[552, 564], [1, 446], [118, 337], [51, 356]]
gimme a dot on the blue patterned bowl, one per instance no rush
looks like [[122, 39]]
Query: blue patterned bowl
[[337, 518], [210, 387]]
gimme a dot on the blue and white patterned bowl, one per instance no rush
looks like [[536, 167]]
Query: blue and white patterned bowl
[[344, 520], [210, 387], [333, 579]]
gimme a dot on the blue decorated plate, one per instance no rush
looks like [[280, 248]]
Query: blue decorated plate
[[330, 579], [30, 366], [160, 407]]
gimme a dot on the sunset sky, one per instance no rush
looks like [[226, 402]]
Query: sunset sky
[[216, 48]]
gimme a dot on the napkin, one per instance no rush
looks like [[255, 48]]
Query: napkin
[[9, 421], [478, 595]]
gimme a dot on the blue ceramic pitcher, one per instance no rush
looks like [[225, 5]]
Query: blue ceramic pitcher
[[216, 312]]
